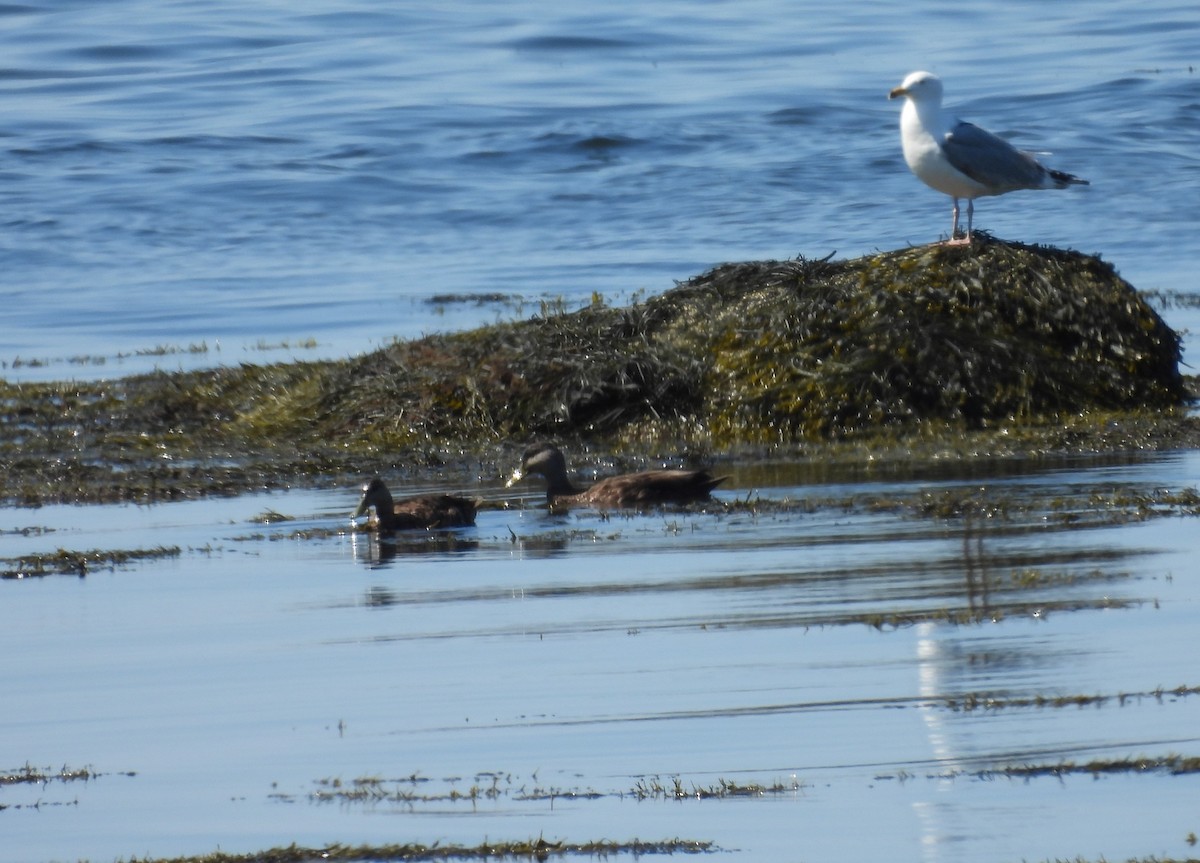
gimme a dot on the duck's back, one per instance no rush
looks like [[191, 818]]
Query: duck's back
[[651, 488], [434, 510]]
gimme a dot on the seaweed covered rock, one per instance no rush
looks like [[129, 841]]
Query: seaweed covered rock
[[931, 339], [993, 332], [797, 349]]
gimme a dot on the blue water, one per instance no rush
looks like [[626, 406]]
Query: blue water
[[188, 184]]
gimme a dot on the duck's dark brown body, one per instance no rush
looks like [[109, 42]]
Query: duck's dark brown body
[[631, 490], [421, 512]]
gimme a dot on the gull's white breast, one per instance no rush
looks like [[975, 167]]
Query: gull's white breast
[[923, 153]]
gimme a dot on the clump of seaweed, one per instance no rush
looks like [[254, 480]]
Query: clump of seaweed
[[30, 775], [653, 788], [80, 563], [788, 350], [528, 849], [1001, 701], [493, 786], [998, 331], [1175, 765]]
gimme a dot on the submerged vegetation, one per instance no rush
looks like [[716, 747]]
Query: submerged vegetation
[[412, 791], [30, 775], [43, 778], [1176, 765], [80, 563], [998, 347], [528, 849]]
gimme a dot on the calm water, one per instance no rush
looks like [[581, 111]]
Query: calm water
[[188, 184], [586, 655], [221, 180]]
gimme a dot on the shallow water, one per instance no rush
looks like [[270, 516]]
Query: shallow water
[[190, 184], [537, 658]]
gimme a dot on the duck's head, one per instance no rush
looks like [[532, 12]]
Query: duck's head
[[543, 459], [374, 494]]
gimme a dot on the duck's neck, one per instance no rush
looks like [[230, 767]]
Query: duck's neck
[[557, 485], [385, 510]]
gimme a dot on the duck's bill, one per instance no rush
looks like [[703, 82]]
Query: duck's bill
[[360, 512], [514, 479]]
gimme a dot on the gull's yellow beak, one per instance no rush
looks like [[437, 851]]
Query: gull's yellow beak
[[897, 92], [514, 479]]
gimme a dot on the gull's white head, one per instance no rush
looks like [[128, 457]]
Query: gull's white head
[[923, 88]]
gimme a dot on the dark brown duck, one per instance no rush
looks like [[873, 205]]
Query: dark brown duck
[[423, 511], [645, 489]]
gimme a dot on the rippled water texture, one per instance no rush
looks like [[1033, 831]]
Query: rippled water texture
[[187, 184]]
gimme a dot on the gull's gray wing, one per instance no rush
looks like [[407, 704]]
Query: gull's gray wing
[[990, 160]]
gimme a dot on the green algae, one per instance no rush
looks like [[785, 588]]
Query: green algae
[[928, 352]]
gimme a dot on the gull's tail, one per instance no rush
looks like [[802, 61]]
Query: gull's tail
[[1061, 179]]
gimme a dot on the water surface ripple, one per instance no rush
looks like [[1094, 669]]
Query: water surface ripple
[[206, 184]]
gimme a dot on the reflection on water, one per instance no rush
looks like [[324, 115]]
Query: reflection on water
[[374, 550]]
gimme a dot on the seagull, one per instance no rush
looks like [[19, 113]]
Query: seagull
[[962, 160]]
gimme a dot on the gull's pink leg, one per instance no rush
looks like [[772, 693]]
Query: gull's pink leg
[[956, 240]]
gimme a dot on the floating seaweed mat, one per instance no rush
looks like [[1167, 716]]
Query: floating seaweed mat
[[785, 350]]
